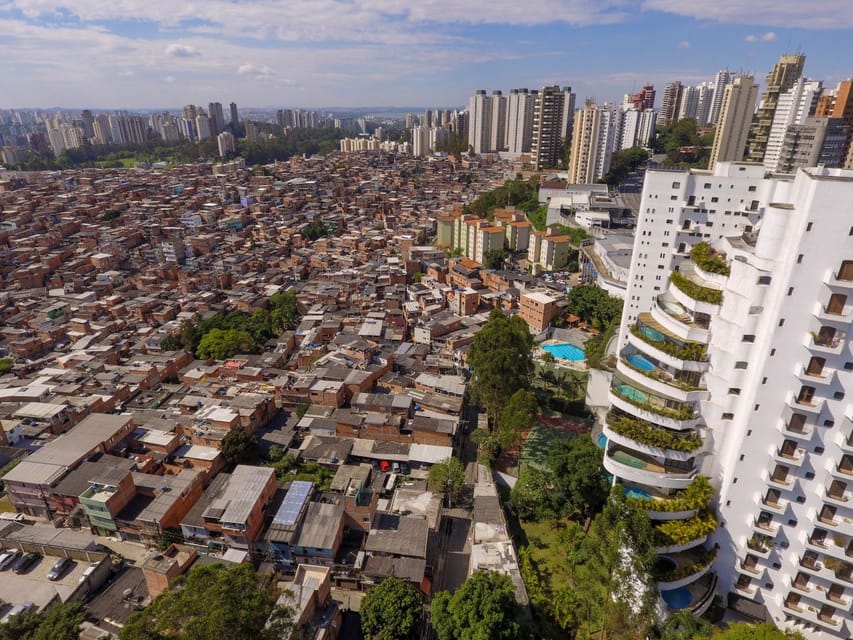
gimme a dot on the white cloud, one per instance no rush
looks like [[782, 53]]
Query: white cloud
[[178, 50], [257, 72], [815, 14], [761, 37], [684, 44]]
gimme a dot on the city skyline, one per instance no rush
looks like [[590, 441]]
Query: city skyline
[[87, 54]]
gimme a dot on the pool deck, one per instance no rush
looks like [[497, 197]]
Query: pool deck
[[576, 365]]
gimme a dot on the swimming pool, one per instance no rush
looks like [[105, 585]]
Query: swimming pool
[[631, 393], [677, 598], [636, 492], [565, 351], [652, 334], [602, 440], [640, 362]]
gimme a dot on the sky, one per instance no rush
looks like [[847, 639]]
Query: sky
[[144, 54]]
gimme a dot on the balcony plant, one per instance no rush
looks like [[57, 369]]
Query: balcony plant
[[696, 495], [760, 543], [651, 435], [694, 351], [709, 260], [682, 413], [668, 574], [679, 532], [695, 291]]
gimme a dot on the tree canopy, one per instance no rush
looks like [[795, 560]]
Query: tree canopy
[[211, 601], [623, 162], [448, 477], [594, 306], [523, 194], [60, 621], [238, 447], [483, 608], [501, 361], [516, 415], [764, 631], [391, 611], [224, 343]]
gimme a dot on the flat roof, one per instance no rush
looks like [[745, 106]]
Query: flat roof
[[243, 491]]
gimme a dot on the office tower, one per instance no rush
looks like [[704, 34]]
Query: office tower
[[723, 78], [792, 108], [733, 365], [689, 103], [234, 117], [735, 117], [202, 126], [217, 117], [643, 99], [782, 77], [479, 121], [497, 135], [520, 108], [814, 142], [187, 128], [420, 140], [226, 144], [670, 103], [547, 143]]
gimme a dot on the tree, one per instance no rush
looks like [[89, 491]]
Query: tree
[[6, 365], [484, 607], [211, 601], [284, 311], [684, 625], [623, 162], [238, 447], [224, 343], [447, 477], [516, 416], [579, 478], [764, 631], [494, 258], [501, 361], [60, 621], [532, 497], [593, 305], [391, 611]]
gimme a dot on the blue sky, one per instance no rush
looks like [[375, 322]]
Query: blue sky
[[312, 53]]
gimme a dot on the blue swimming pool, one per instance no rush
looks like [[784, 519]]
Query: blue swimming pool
[[677, 598], [602, 440], [636, 492], [640, 362], [564, 351], [652, 334], [631, 393]]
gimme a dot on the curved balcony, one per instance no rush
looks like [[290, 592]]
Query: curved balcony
[[650, 438], [634, 466], [675, 424], [641, 401], [641, 370], [676, 570], [692, 292], [674, 317], [666, 346], [701, 593]]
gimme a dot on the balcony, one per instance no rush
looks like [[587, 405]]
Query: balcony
[[844, 469], [797, 427], [634, 466], [809, 613], [650, 439], [774, 503], [669, 313], [691, 293], [825, 342], [680, 569], [789, 454], [701, 595], [840, 279], [765, 525], [681, 386], [750, 566], [838, 494], [781, 478], [760, 545], [842, 314], [668, 346], [813, 405], [845, 442]]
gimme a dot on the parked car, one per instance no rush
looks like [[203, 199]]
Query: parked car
[[59, 568], [7, 558], [17, 610], [25, 562]]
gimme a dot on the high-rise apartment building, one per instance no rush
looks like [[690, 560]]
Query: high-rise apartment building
[[689, 103], [568, 120], [782, 77], [234, 117], [479, 121], [793, 107], [636, 129], [734, 365], [217, 117], [735, 117], [814, 142], [497, 134], [520, 108], [548, 120], [594, 138], [643, 99], [420, 140], [226, 144], [724, 77], [670, 103]]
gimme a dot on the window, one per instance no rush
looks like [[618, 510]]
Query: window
[[741, 364], [676, 185], [772, 352], [748, 338], [782, 322], [848, 366], [734, 391], [707, 185], [809, 226], [752, 188], [764, 280], [727, 416], [838, 395], [764, 380], [790, 291], [800, 259], [715, 199]]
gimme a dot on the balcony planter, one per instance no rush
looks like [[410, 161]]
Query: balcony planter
[[694, 351], [677, 532], [695, 291], [651, 435]]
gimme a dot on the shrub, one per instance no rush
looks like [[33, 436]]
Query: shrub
[[709, 260], [695, 291], [652, 435], [694, 351], [697, 495], [678, 532]]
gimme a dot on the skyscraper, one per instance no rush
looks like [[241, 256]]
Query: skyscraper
[[234, 117], [670, 103], [724, 77], [217, 117], [548, 119], [479, 121], [782, 77], [735, 117], [689, 103], [643, 99], [588, 140], [732, 365], [497, 134], [793, 107], [225, 142], [520, 108]]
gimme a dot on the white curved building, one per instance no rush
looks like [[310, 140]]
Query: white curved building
[[737, 368]]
